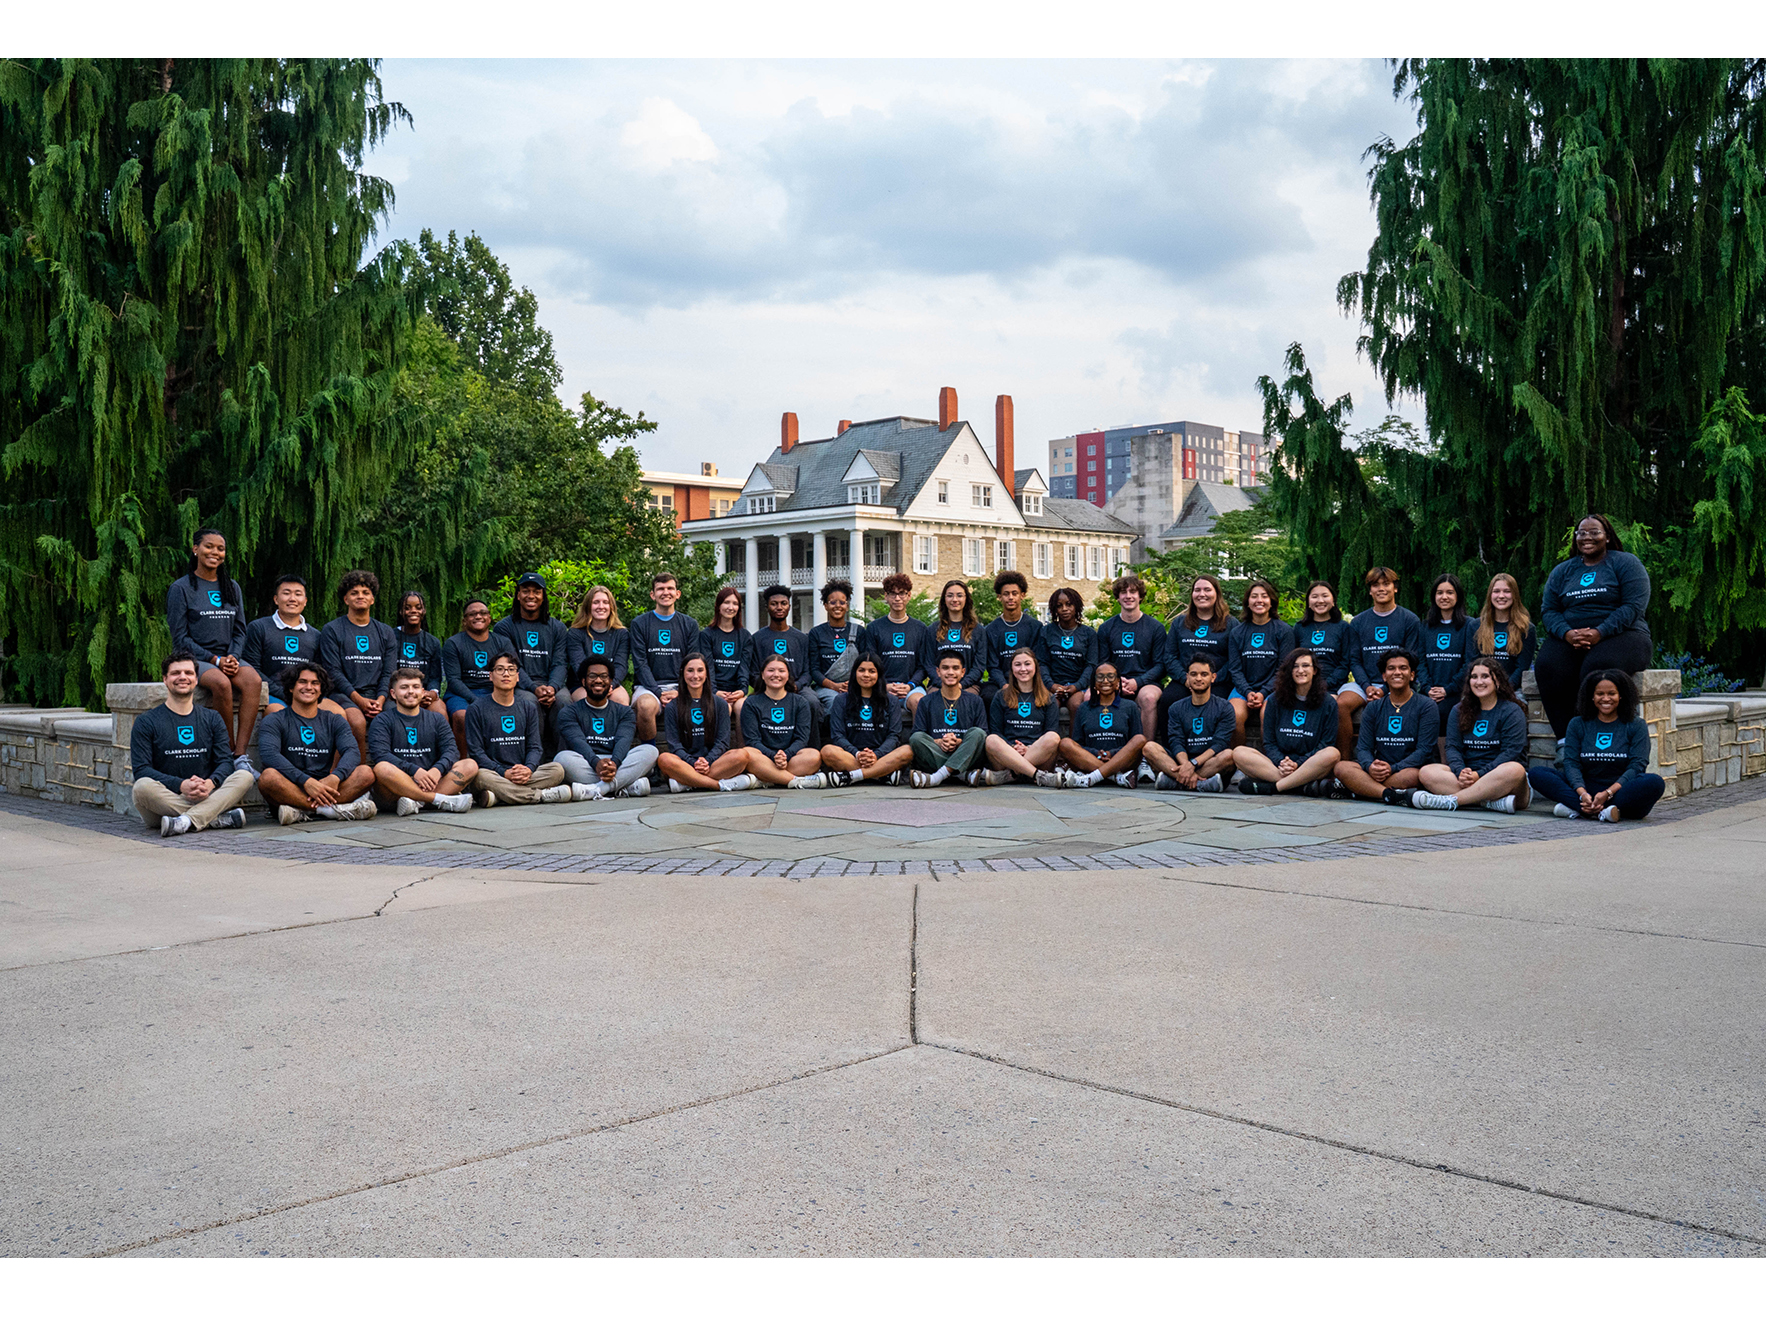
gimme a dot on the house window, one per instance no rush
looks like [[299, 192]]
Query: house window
[[1032, 505], [668, 502], [1094, 557], [981, 494], [972, 556], [1005, 555], [1043, 562], [1072, 561], [761, 505], [925, 555], [1119, 559], [865, 494], [1091, 466], [943, 492]]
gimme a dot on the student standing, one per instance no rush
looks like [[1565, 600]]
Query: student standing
[[950, 728], [660, 638], [958, 632], [596, 632], [833, 646], [695, 753], [1067, 649], [1505, 629], [466, 663], [537, 638], [776, 728], [1594, 619], [779, 638], [1375, 632], [1486, 748], [1254, 649], [359, 653], [412, 753], [1106, 739], [419, 648], [1024, 721], [205, 611], [1606, 756], [1197, 753], [279, 640], [1135, 642], [503, 738], [1324, 632], [186, 777], [1202, 629], [311, 761], [727, 645], [903, 642], [596, 746], [1398, 734], [1447, 637], [1006, 633], [864, 730], [1299, 751]]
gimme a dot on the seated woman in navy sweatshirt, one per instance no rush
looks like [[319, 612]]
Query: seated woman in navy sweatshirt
[[1606, 752], [1486, 739], [1299, 750]]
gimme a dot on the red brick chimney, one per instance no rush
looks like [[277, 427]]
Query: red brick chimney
[[844, 424], [787, 433], [1002, 441], [947, 407]]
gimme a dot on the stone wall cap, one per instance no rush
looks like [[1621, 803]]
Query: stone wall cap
[[1692, 712], [136, 695]]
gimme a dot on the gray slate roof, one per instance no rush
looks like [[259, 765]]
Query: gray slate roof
[[1206, 503], [1080, 516], [818, 468], [886, 463]]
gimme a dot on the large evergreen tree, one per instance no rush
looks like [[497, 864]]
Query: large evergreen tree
[[188, 335], [1569, 275]]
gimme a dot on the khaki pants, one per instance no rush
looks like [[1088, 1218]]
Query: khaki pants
[[507, 792], [154, 802]]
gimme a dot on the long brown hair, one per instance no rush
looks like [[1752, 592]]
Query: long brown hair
[[968, 621], [1039, 694], [1221, 614], [727, 591], [1519, 622], [583, 620], [1275, 599], [1470, 704]]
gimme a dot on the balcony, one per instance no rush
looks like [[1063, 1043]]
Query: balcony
[[737, 580], [877, 571], [805, 578]]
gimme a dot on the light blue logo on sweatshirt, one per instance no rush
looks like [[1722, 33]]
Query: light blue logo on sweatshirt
[[779, 647], [410, 735], [1443, 640], [508, 726], [778, 714], [1298, 717], [1604, 740], [950, 716], [533, 638], [864, 712], [214, 597], [900, 638], [1395, 724], [1202, 630], [1257, 640], [1481, 727], [598, 723], [728, 650], [1024, 707], [186, 735], [1106, 720], [1011, 638], [480, 658], [1196, 725], [1587, 578], [1502, 639], [308, 735], [290, 644], [1379, 634], [840, 645], [699, 717], [662, 636], [1318, 636], [361, 643], [410, 651], [1066, 641], [953, 634], [1128, 638]]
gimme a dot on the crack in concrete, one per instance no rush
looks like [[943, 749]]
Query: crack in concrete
[[398, 891], [914, 968], [1449, 1169]]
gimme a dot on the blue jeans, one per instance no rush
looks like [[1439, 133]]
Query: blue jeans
[[1634, 799]]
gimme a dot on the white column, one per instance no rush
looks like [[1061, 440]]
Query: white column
[[751, 585], [722, 568], [784, 563], [819, 546], [855, 554]]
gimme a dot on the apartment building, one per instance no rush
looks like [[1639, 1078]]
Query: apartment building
[[1093, 466], [692, 496]]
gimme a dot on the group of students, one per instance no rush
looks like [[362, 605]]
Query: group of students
[[1382, 705]]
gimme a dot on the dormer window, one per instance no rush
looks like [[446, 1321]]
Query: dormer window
[[865, 494], [761, 505], [1032, 504]]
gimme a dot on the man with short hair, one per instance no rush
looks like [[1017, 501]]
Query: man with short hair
[[1135, 642], [359, 653], [1011, 630], [276, 642], [503, 738], [412, 752], [903, 642], [595, 741], [834, 645], [950, 729], [311, 762], [1197, 752], [1398, 734], [661, 638], [1368, 637], [185, 773], [537, 638], [779, 638]]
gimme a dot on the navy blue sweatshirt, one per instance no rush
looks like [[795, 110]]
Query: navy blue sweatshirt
[[301, 748], [1005, 638], [1252, 654], [1371, 636], [1138, 650], [499, 738], [947, 637], [271, 647], [600, 733], [1446, 655], [614, 647], [170, 748], [1198, 729], [658, 647], [466, 662], [826, 647], [1597, 753], [539, 647], [1105, 730], [1184, 644], [1514, 663], [1403, 737], [695, 729], [1328, 641], [358, 658], [937, 716], [205, 622], [1497, 736], [1068, 655], [790, 643], [728, 652], [856, 722], [771, 725], [1298, 731], [1015, 716], [412, 743], [905, 649], [423, 651], [1610, 596]]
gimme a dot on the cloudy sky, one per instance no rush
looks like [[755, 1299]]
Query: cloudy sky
[[1107, 242]]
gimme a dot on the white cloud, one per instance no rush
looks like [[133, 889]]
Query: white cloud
[[663, 133]]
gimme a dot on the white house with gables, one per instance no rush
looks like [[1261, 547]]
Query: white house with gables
[[909, 494]]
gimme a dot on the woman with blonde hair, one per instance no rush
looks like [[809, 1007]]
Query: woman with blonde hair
[[1505, 628], [598, 634]]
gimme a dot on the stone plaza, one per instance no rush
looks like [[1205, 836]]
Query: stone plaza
[[887, 1022]]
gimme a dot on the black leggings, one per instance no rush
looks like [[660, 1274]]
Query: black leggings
[[1559, 670]]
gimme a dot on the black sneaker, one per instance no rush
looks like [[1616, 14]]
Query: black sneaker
[[1251, 786], [1399, 798]]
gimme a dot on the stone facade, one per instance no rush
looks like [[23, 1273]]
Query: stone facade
[[950, 566], [1717, 739]]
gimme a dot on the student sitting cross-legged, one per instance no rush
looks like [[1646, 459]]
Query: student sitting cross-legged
[[950, 728], [185, 775], [597, 740], [696, 753], [1197, 754], [1024, 725], [311, 761], [503, 738], [1106, 739], [1299, 753], [1486, 748], [411, 749], [1606, 756], [776, 726], [1398, 733], [864, 730]]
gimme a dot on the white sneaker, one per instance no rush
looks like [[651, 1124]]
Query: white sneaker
[[360, 809], [1166, 782], [174, 825], [1610, 814], [996, 777], [1210, 784], [920, 780], [242, 763], [1053, 780], [1564, 811], [452, 804], [636, 791], [585, 791], [1145, 771], [1506, 805], [1126, 780], [233, 818], [816, 781], [406, 807], [556, 795], [895, 778], [1075, 781], [288, 815], [487, 799], [742, 781], [674, 788], [1429, 800]]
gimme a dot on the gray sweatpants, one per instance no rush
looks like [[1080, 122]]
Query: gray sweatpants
[[154, 801], [638, 762]]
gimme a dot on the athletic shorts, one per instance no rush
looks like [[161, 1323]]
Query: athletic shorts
[[459, 703], [1351, 687], [203, 668], [1236, 695], [667, 693]]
